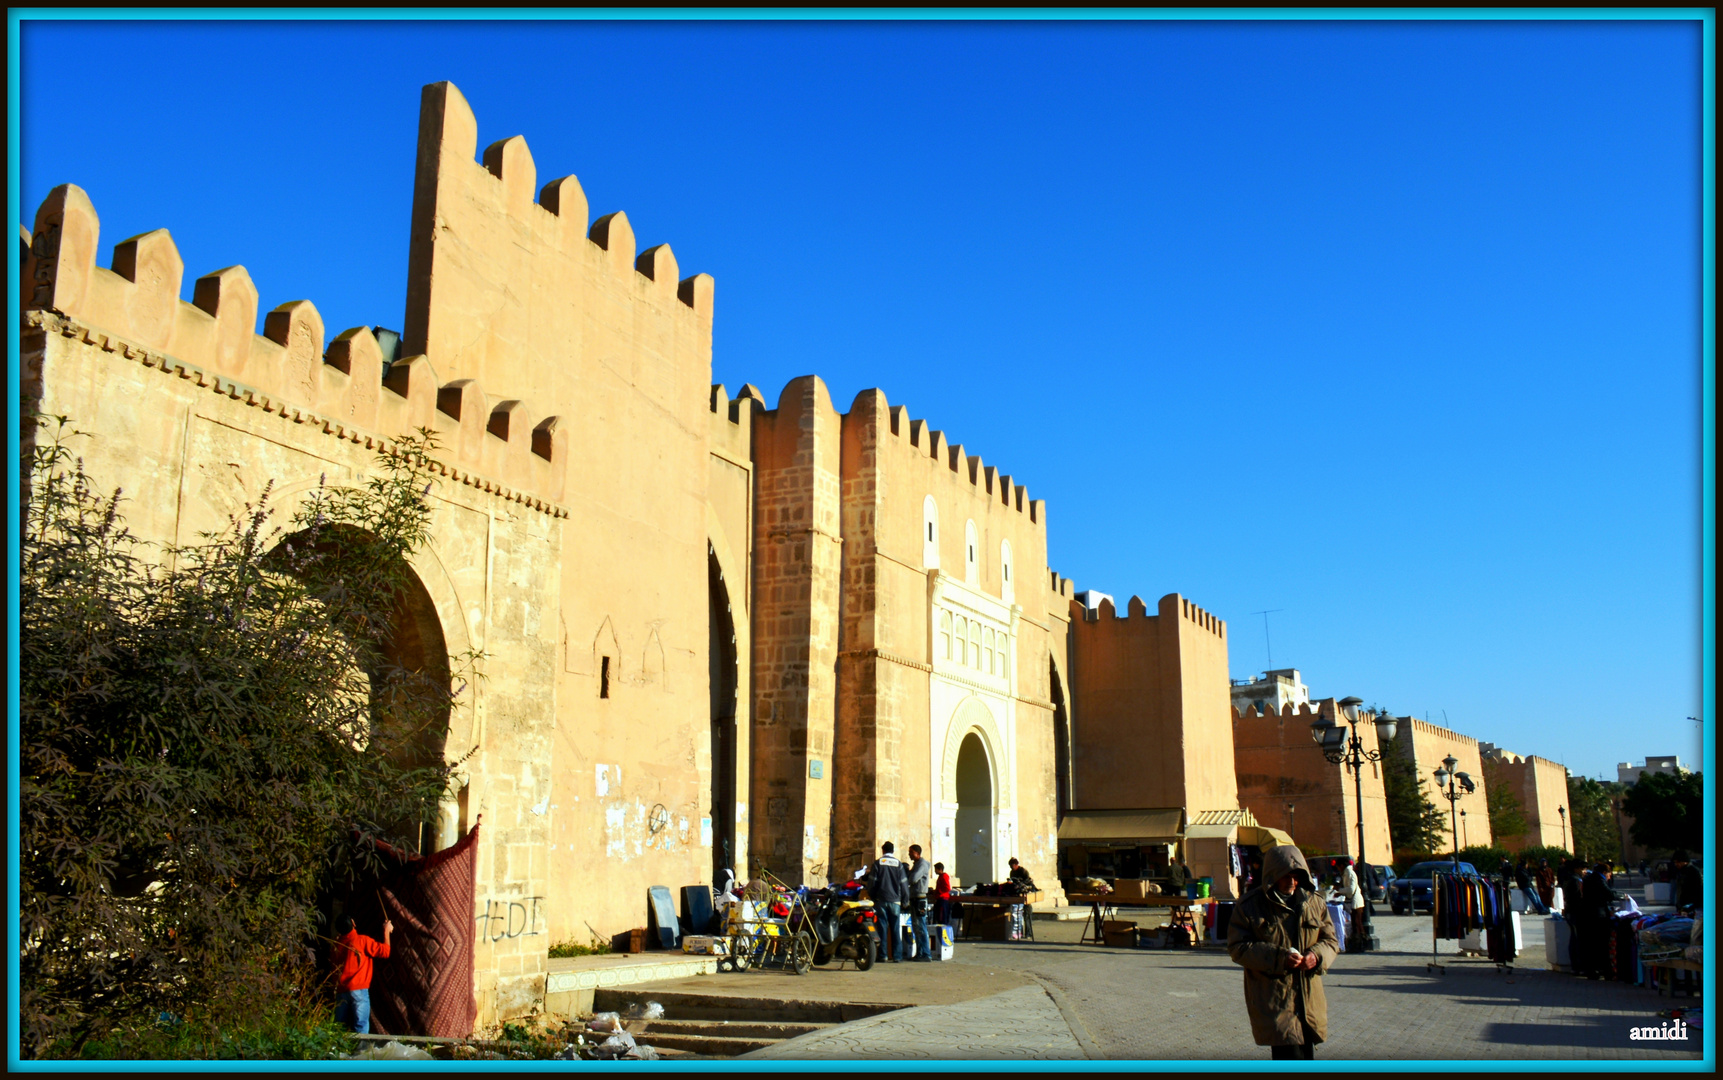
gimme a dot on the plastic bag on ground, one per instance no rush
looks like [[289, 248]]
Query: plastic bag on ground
[[391, 1051], [649, 1011], [642, 1053], [604, 1021], [619, 1045]]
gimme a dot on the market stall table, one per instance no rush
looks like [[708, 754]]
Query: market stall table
[[1338, 915], [999, 905], [1104, 905]]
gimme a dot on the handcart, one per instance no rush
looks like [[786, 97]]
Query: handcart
[[760, 937]]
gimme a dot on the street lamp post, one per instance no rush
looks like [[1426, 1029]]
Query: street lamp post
[[1562, 810], [1453, 785], [1290, 808], [1347, 750], [1464, 837]]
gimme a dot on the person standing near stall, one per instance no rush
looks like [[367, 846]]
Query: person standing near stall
[[941, 894], [887, 887], [1353, 893], [1282, 937], [916, 904]]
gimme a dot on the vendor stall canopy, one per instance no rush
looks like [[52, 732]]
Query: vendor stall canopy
[[1235, 826], [1156, 826]]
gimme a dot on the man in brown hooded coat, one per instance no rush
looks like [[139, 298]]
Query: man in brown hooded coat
[[1283, 938]]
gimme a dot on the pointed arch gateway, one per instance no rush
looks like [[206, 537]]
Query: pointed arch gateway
[[974, 788]]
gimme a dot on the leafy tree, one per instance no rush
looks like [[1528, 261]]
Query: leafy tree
[[1414, 822], [200, 727], [1507, 813], [1591, 818], [1668, 811]]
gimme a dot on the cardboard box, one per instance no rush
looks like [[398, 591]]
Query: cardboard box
[[1120, 933], [1129, 889], [704, 945]]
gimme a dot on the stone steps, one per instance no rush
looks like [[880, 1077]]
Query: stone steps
[[725, 1025]]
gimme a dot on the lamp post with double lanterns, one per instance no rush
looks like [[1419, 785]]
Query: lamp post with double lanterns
[[1453, 786], [1346, 749]]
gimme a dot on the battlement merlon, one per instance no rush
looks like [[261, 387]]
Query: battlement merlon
[[513, 291], [285, 368], [1171, 605]]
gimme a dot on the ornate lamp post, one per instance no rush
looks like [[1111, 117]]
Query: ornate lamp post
[[1347, 750], [1464, 838], [1453, 786], [1562, 810], [1290, 808]]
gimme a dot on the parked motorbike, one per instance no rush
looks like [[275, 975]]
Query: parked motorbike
[[844, 928]]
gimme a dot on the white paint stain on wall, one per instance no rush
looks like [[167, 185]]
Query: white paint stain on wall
[[810, 844], [615, 832], [607, 778]]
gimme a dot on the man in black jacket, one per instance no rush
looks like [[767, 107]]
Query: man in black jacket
[[887, 888]]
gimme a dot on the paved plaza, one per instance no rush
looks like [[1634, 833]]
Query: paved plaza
[[1053, 998]]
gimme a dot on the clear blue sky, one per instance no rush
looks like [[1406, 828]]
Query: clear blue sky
[[1394, 328]]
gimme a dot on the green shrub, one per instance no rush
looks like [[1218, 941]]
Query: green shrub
[[295, 1027]]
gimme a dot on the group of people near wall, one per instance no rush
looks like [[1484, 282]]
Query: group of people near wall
[[915, 889], [1590, 909]]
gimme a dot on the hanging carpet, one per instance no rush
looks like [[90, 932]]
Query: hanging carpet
[[425, 987]]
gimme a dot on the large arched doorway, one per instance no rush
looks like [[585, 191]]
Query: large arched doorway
[[721, 679], [974, 837], [410, 681]]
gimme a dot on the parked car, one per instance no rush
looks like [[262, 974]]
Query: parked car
[[1416, 889]]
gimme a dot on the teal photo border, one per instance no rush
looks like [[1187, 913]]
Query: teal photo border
[[1708, 442]]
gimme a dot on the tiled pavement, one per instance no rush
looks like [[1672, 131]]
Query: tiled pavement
[[1183, 1005]]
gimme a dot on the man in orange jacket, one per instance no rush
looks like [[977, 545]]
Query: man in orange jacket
[[355, 952]]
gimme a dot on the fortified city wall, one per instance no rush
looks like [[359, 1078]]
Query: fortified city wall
[[1279, 764], [1153, 722], [1428, 744]]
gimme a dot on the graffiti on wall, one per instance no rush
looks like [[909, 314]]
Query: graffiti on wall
[[500, 920]]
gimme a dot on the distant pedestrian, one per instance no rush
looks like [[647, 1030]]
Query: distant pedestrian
[[1353, 893], [887, 888], [941, 895], [354, 952], [916, 904], [1021, 876], [1282, 937], [1523, 879], [1689, 885], [1546, 884]]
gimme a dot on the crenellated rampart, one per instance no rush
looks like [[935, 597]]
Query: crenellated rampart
[[986, 478], [133, 308], [1136, 609]]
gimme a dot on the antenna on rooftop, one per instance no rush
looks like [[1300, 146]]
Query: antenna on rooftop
[[1266, 643]]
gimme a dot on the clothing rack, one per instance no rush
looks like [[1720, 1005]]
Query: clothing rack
[[1503, 923]]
